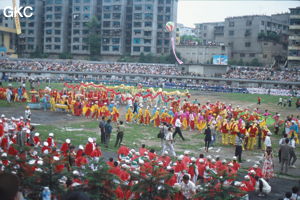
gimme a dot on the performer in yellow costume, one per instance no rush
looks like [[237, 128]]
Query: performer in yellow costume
[[140, 116], [156, 118], [115, 114], [253, 131], [225, 132], [147, 116], [129, 115], [94, 110]]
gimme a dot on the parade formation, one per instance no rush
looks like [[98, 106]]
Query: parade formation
[[172, 113]]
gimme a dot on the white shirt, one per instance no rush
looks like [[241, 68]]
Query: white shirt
[[292, 143], [188, 189], [192, 117], [178, 123], [282, 141], [169, 136], [268, 141], [266, 187]]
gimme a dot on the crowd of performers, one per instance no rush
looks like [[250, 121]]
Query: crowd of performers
[[188, 173], [228, 120]]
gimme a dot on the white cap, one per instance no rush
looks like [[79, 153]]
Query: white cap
[[141, 161], [165, 153], [209, 157], [255, 166], [137, 153], [37, 134], [252, 171], [186, 152], [160, 163], [193, 159], [56, 158], [90, 139], [40, 162], [4, 155], [201, 160], [230, 165], [2, 115], [213, 160], [27, 131], [81, 147], [46, 144], [75, 172], [169, 167], [46, 151], [237, 183], [51, 134], [269, 133], [234, 158], [180, 157], [68, 141], [224, 161], [31, 162], [247, 177]]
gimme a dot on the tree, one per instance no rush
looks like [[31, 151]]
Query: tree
[[254, 62], [217, 190], [94, 39], [152, 186]]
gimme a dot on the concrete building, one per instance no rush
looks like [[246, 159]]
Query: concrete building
[[183, 30], [144, 24], [256, 37], [210, 33], [166, 11], [294, 38], [82, 13], [31, 39], [201, 54], [127, 27], [8, 37], [113, 27], [57, 26]]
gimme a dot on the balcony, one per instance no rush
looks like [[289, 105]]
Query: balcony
[[294, 37], [294, 26], [294, 47], [294, 58], [294, 16]]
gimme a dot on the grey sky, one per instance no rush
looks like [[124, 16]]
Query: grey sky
[[197, 11]]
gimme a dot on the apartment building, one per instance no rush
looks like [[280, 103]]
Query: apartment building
[[210, 32], [256, 37], [7, 36], [294, 38], [31, 39], [82, 13]]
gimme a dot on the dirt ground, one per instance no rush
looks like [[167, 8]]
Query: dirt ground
[[280, 185]]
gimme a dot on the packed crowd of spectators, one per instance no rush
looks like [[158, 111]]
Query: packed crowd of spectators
[[254, 73], [262, 73], [127, 68]]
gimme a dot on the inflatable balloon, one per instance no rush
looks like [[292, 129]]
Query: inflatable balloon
[[170, 26]]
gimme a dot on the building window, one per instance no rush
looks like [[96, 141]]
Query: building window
[[106, 24], [248, 23], [85, 48], [136, 40], [265, 56], [57, 32], [115, 48], [106, 16], [116, 41], [147, 33], [137, 32], [57, 47], [247, 33], [137, 24], [242, 55], [48, 47], [105, 48], [231, 33], [48, 39], [252, 55], [57, 39], [147, 49], [262, 23], [148, 24], [75, 39], [147, 41], [136, 49], [75, 47], [231, 24], [247, 44]]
